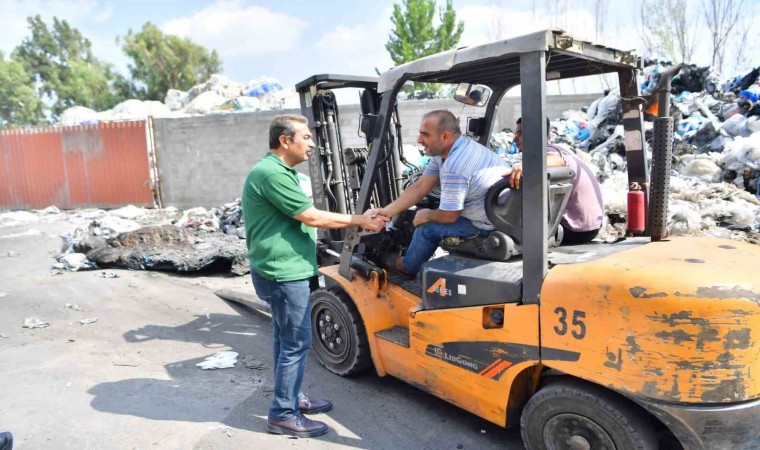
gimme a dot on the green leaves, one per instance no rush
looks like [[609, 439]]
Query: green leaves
[[63, 68], [161, 62], [19, 104], [415, 36]]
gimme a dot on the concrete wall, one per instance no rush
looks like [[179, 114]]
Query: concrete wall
[[203, 161]]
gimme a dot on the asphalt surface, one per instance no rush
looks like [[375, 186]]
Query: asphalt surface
[[129, 380]]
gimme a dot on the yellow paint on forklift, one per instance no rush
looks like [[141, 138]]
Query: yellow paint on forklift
[[676, 320]]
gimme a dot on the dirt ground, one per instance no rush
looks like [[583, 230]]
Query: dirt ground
[[129, 380]]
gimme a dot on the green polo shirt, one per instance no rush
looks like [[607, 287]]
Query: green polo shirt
[[280, 248]]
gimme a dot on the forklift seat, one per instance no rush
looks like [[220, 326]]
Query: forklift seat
[[504, 209]]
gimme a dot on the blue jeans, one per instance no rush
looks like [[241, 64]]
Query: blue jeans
[[291, 320], [428, 237]]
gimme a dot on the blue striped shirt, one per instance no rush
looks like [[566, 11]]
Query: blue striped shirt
[[465, 177]]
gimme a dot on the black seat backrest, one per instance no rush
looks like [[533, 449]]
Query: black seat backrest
[[505, 211]]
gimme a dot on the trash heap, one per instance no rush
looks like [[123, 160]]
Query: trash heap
[[196, 239], [155, 239], [715, 181], [218, 95]]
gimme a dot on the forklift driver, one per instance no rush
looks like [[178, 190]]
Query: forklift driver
[[465, 170], [585, 208]]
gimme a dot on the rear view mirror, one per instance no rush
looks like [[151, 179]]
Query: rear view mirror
[[367, 124], [472, 94]]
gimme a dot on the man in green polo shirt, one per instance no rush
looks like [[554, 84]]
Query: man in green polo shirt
[[279, 228]]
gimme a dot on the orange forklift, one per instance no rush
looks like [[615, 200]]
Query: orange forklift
[[649, 342]]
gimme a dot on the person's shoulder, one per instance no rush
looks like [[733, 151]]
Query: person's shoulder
[[562, 148], [265, 167]]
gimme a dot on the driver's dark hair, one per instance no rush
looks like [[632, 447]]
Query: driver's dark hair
[[446, 121], [548, 126], [282, 125]]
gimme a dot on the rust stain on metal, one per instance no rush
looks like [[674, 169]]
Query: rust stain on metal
[[675, 392], [726, 390], [678, 336], [640, 292], [737, 339], [655, 371], [650, 389], [673, 319], [706, 334], [614, 361], [723, 292], [633, 347]]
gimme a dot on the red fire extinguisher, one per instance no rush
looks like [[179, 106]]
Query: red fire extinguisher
[[636, 213]]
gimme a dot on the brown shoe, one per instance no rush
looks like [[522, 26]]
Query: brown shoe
[[400, 266], [297, 425], [314, 406]]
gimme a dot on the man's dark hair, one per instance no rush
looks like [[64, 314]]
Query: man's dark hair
[[446, 121], [282, 125], [548, 126]]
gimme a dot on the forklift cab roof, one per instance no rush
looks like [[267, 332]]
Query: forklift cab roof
[[332, 81], [498, 63]]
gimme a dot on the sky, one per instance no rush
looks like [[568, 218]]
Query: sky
[[294, 40]]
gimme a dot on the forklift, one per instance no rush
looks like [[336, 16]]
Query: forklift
[[649, 342]]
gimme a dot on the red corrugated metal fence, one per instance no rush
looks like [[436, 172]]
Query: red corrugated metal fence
[[104, 165]]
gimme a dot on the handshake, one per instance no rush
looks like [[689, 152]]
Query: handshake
[[373, 219]]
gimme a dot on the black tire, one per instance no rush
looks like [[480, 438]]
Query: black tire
[[572, 414], [335, 320]]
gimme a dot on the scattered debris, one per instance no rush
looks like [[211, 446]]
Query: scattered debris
[[221, 360], [33, 322], [68, 385], [12, 254], [251, 362], [3, 294], [4, 336], [75, 262], [74, 307], [88, 321], [125, 364], [109, 274]]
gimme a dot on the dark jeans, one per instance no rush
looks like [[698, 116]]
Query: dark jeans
[[427, 237], [578, 237], [291, 340]]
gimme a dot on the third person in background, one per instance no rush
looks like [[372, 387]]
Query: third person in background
[[584, 214]]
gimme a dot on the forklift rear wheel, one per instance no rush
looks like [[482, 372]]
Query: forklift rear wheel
[[571, 414], [340, 340]]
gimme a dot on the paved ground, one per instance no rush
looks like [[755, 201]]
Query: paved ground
[[129, 380]]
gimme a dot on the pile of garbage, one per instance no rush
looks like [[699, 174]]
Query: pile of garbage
[[156, 239], [715, 181], [218, 95]]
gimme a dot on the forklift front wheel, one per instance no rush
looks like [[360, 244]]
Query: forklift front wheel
[[572, 414], [339, 337]]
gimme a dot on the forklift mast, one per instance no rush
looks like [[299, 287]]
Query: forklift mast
[[337, 171]]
